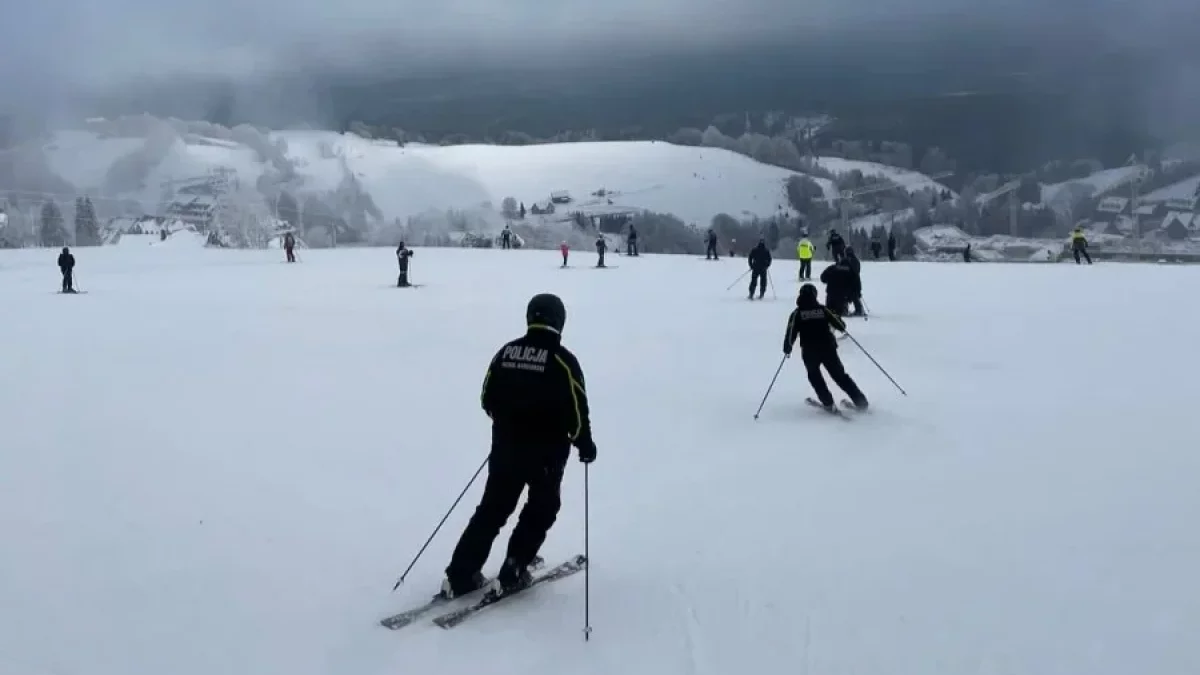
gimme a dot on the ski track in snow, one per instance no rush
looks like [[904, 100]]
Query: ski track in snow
[[216, 463]]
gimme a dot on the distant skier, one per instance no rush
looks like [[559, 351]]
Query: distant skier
[[804, 251], [565, 250], [811, 324], [967, 253], [891, 244], [402, 256], [631, 241], [534, 393], [506, 237], [840, 282], [876, 248], [760, 262], [289, 246], [1079, 244], [733, 248], [710, 252], [836, 245], [66, 265], [601, 247]]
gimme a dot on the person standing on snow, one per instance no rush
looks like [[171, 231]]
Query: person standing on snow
[[710, 252], [601, 247], [804, 251], [760, 261], [565, 250], [631, 242], [402, 256], [836, 245], [813, 325], [876, 248], [66, 265], [1079, 245], [289, 246], [534, 393], [891, 244], [839, 287], [506, 237]]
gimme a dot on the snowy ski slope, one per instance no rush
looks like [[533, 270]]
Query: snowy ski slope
[[214, 462], [407, 181]]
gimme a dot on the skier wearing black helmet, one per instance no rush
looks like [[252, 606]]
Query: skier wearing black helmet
[[534, 393], [811, 323]]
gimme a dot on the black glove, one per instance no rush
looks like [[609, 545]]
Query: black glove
[[587, 452]]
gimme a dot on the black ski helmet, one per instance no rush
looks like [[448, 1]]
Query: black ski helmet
[[807, 292], [546, 309]]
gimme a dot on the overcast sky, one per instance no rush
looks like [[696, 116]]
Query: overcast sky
[[92, 41]]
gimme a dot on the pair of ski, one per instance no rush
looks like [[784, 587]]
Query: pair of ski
[[837, 412], [490, 597]]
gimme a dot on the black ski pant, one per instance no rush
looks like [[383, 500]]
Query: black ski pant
[[403, 280], [600, 259], [892, 254], [508, 476], [564, 259], [859, 309], [291, 254], [758, 277], [505, 243], [631, 247], [806, 268], [711, 252], [813, 360], [1084, 253], [836, 304], [68, 284]]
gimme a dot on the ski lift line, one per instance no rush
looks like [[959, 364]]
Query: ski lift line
[[851, 194]]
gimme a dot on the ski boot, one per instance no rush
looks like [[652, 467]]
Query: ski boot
[[512, 578], [457, 587]]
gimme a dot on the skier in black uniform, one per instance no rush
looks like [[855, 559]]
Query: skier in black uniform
[[836, 245], [710, 253], [760, 263], [534, 393], [811, 324], [855, 288], [631, 242], [891, 244], [402, 256], [66, 265], [506, 237], [876, 248], [840, 282], [601, 247]]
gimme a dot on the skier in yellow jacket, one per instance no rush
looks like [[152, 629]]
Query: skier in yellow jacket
[[804, 251]]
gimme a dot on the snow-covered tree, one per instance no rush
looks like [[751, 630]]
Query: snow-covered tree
[[53, 231]]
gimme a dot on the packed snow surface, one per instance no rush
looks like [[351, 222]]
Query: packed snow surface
[[693, 183], [215, 462]]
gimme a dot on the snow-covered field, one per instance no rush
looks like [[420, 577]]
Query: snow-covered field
[[693, 183], [214, 462], [1101, 182], [913, 181]]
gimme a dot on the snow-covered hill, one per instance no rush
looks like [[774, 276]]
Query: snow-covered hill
[[693, 183], [216, 463], [913, 181], [1100, 183]]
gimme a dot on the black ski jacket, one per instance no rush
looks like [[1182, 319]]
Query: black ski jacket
[[534, 393], [66, 262], [811, 322], [855, 263], [836, 243], [759, 258], [841, 283], [402, 256]]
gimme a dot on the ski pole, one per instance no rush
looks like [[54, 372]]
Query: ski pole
[[770, 386], [771, 280], [730, 287], [864, 351], [439, 525], [587, 554]]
